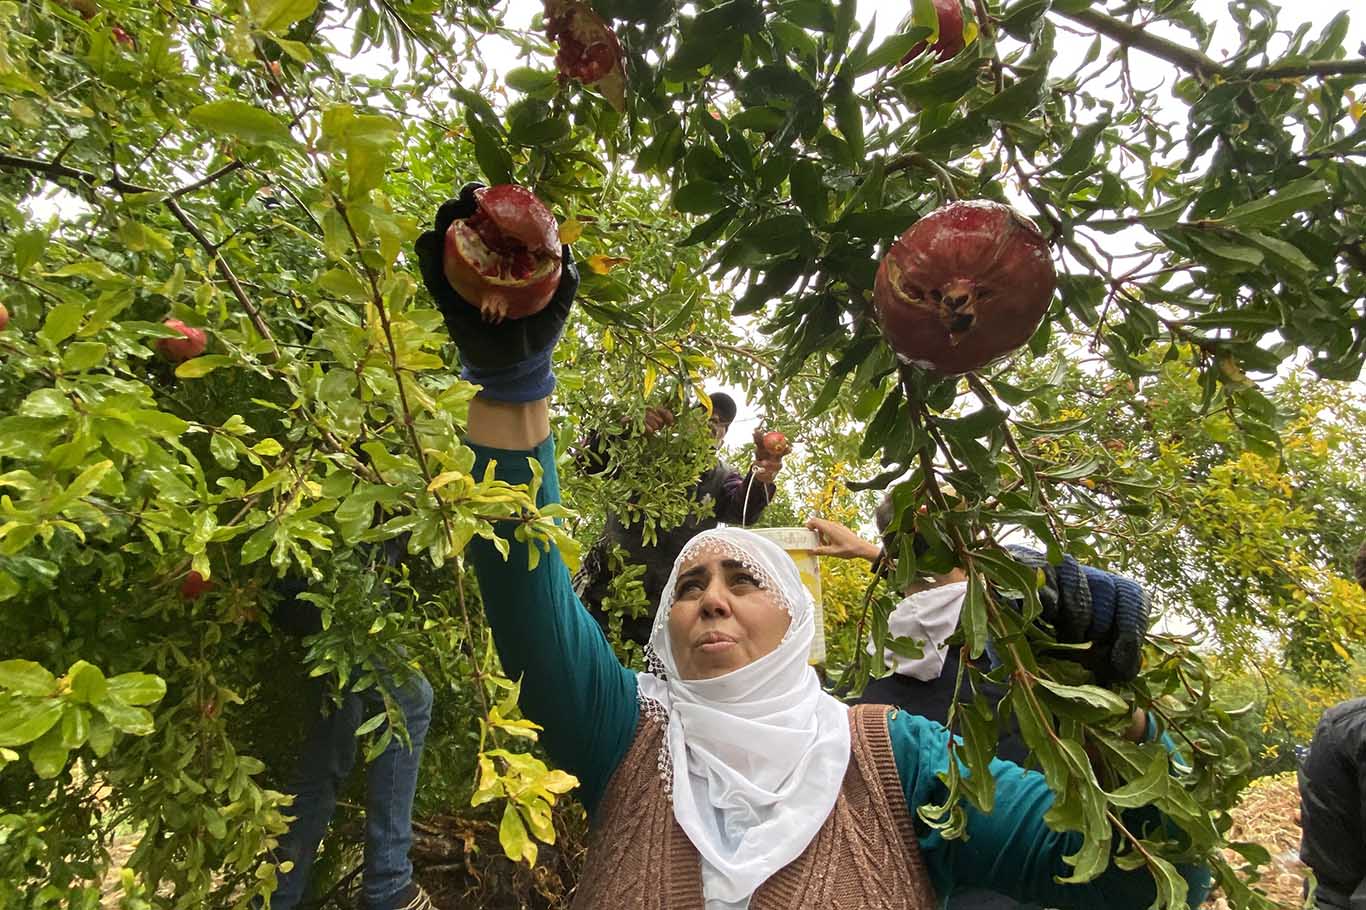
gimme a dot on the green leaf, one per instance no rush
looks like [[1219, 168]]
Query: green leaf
[[49, 754], [1287, 254], [849, 119], [279, 15], [26, 678], [1292, 199], [780, 234], [137, 688], [974, 616], [1082, 149], [712, 228], [489, 151], [297, 50], [894, 48], [203, 365], [1227, 255], [62, 322], [808, 190], [87, 682], [22, 720], [28, 249], [243, 121], [125, 717], [528, 80], [1149, 787], [1089, 696], [82, 355], [699, 197]]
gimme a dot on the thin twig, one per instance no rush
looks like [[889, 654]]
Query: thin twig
[[226, 271]]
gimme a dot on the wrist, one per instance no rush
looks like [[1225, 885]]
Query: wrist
[[527, 380]]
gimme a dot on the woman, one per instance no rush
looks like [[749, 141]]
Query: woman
[[725, 777]]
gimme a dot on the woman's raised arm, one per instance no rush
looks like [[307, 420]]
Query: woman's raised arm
[[572, 683]]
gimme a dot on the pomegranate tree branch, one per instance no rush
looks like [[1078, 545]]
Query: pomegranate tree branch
[[226, 271], [1191, 60], [217, 175], [55, 169], [1318, 68]]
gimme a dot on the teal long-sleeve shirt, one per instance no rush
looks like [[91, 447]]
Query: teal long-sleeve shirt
[[576, 689]]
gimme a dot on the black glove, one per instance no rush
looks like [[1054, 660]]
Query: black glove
[[510, 359], [1083, 604]]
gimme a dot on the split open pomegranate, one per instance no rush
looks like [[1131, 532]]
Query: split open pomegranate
[[505, 258]]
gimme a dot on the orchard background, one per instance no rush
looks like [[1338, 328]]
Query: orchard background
[[1189, 413]]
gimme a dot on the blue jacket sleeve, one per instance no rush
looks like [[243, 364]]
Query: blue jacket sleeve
[[1010, 850], [572, 683]]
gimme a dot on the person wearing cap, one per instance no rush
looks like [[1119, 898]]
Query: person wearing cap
[[1333, 799], [738, 499]]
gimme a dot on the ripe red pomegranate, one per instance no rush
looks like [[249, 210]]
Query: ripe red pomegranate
[[589, 49], [194, 586], [179, 350], [122, 37], [4, 317], [505, 258], [950, 40], [964, 285], [775, 444]]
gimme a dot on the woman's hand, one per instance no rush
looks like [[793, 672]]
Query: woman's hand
[[511, 358], [839, 541]]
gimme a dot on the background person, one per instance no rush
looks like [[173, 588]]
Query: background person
[[1333, 799], [328, 757], [737, 499]]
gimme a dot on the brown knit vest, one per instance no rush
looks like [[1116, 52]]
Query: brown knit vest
[[865, 856]]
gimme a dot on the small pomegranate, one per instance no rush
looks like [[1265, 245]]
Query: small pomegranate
[[589, 49], [194, 586], [775, 444], [179, 350], [964, 285], [122, 37], [4, 317], [950, 40], [505, 258]]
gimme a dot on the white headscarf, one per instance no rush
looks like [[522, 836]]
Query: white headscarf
[[929, 617], [758, 755]]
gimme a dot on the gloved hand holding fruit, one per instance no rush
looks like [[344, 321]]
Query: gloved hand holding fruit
[[497, 271]]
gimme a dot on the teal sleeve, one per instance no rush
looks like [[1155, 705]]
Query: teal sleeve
[[572, 683], [1010, 850]]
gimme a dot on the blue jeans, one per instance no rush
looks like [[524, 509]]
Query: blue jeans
[[391, 779]]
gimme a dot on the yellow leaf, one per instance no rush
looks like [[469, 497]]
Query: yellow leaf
[[601, 264], [608, 342], [704, 398], [512, 835], [559, 782], [1341, 651], [570, 230], [649, 377], [442, 479]]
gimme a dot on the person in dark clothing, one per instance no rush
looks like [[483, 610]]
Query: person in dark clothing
[[1333, 799], [736, 499], [928, 614], [1332, 839]]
